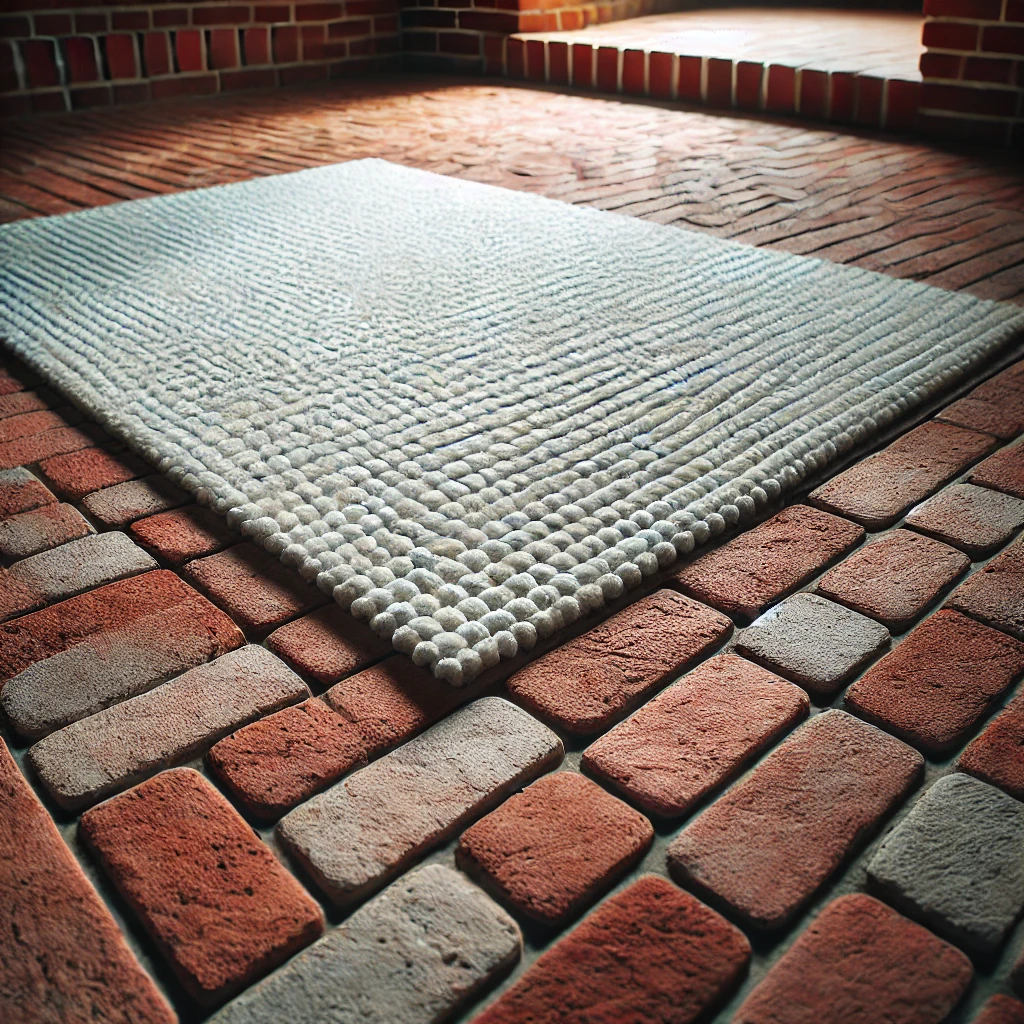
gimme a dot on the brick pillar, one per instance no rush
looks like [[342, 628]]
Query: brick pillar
[[973, 71]]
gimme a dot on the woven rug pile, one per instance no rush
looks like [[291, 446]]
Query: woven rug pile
[[471, 415]]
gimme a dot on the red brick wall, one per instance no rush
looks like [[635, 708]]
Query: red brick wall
[[54, 56], [974, 71]]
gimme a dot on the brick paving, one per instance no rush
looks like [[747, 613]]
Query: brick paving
[[785, 879]]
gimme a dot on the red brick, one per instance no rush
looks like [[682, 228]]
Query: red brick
[[42, 634], [979, 10], [768, 844], [220, 15], [697, 735], [1003, 471], [633, 72], [1015, 10], [536, 70], [223, 47], [880, 488], [814, 93], [31, 532], [75, 475], [188, 50], [29, 423], [249, 78], [997, 755], [516, 58], [156, 53], [328, 644], [317, 12], [20, 491], [941, 35], [969, 99], [558, 63], [314, 40], [170, 17], [40, 62], [650, 953], [748, 85], [26, 450], [88, 98], [894, 578], [764, 564], [940, 65], [904, 98], [552, 849], [272, 14], [218, 904], [256, 45], [183, 534], [129, 21], [781, 93], [995, 407], [80, 53], [253, 587], [582, 65], [688, 81], [861, 961], [974, 519], [985, 69], [120, 53], [938, 682], [22, 402], [869, 100], [191, 85], [138, 92], [660, 75], [590, 682], [1001, 1010], [65, 959], [607, 69], [995, 594], [52, 25], [487, 21], [122, 504], [286, 44], [719, 82], [1003, 39]]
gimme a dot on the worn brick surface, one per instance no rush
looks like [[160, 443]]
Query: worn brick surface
[[860, 961], [179, 720], [766, 846], [954, 863], [183, 534], [26, 450], [696, 735], [80, 473], [938, 682], [29, 423], [995, 593], [419, 951], [68, 570], [64, 959], [122, 504], [997, 755], [879, 489], [42, 634], [552, 849], [25, 401], [894, 578], [975, 519], [1002, 471], [590, 682], [995, 407], [254, 588], [816, 643], [219, 905], [766, 563], [20, 491], [116, 664], [358, 835], [1001, 1010], [650, 953], [31, 532], [328, 644]]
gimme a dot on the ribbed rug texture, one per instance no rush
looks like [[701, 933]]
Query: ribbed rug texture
[[471, 415]]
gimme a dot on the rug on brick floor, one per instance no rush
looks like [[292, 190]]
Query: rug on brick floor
[[470, 414]]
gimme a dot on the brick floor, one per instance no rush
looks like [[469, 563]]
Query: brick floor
[[952, 219]]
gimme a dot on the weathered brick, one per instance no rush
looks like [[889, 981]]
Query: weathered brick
[[975, 519], [328, 644], [28, 533], [650, 953], [766, 846], [218, 904], [23, 401], [183, 534], [378, 968], [764, 564], [179, 720], [122, 504], [816, 643], [1001, 1010], [16, 378], [552, 849], [937, 683], [860, 961], [254, 588], [80, 473], [29, 423], [696, 735], [995, 407], [26, 450], [116, 664], [64, 957], [20, 491], [995, 593], [997, 755], [878, 490], [894, 578], [357, 836], [68, 570], [1003, 471], [590, 682], [954, 863]]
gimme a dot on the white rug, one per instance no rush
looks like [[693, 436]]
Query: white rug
[[470, 414]]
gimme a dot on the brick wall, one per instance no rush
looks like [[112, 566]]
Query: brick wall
[[974, 71], [57, 57]]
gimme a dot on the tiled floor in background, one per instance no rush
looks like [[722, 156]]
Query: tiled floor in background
[[782, 853]]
